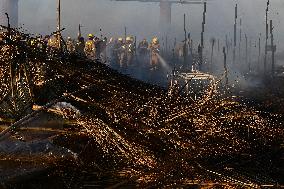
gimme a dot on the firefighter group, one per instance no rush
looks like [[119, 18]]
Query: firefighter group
[[122, 51]]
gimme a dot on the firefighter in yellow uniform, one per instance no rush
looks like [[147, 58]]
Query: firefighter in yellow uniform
[[70, 45], [154, 53], [90, 48], [53, 41]]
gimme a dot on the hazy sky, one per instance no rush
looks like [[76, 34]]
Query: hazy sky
[[141, 19]]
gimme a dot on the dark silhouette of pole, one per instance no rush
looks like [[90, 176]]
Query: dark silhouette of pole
[[225, 68], [185, 41], [259, 51], [235, 34], [272, 49], [79, 31], [212, 49], [249, 53], [240, 39], [246, 61], [202, 35], [266, 35], [59, 22]]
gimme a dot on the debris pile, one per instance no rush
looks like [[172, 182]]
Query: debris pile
[[136, 131]]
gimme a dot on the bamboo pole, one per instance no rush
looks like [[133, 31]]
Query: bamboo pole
[[212, 49], [246, 61], [266, 35], [185, 41], [272, 49], [249, 55], [259, 51], [235, 34], [240, 53], [202, 34], [225, 68], [59, 22]]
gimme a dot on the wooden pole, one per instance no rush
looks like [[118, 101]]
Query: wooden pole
[[240, 40], [202, 34], [212, 49], [259, 51], [79, 32], [59, 22], [235, 34], [246, 49], [266, 35], [249, 55], [185, 41], [225, 68], [272, 49]]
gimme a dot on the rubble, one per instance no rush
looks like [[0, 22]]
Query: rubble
[[131, 132]]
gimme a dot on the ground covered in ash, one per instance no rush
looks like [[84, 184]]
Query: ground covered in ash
[[118, 132]]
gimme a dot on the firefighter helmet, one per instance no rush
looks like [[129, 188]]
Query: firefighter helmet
[[155, 40], [120, 39], [91, 35], [130, 38]]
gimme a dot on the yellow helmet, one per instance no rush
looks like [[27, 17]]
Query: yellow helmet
[[91, 35], [128, 38], [120, 39], [155, 40], [33, 42]]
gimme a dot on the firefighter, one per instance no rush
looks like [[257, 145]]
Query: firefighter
[[154, 53], [129, 49], [53, 41], [143, 48], [115, 49], [90, 49], [98, 46], [80, 46], [70, 45], [104, 45], [120, 51]]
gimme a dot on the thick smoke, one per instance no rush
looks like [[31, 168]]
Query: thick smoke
[[142, 20]]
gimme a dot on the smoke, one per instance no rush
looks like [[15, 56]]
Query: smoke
[[108, 18], [142, 19]]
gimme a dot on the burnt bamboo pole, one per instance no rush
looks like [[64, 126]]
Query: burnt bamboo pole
[[266, 35], [240, 53], [225, 68], [235, 34], [272, 49], [59, 22], [202, 34], [246, 58], [185, 40], [259, 52]]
